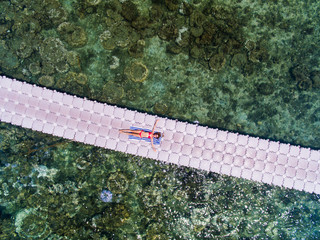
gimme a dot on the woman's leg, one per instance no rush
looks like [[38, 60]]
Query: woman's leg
[[135, 133]]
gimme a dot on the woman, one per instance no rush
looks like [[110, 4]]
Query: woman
[[144, 134]]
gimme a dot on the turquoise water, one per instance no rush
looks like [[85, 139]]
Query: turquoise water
[[245, 66]]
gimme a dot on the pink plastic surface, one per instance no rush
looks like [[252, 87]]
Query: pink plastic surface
[[184, 144]]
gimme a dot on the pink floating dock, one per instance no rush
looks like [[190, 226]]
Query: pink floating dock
[[184, 144]]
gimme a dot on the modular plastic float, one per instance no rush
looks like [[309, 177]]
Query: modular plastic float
[[186, 144]]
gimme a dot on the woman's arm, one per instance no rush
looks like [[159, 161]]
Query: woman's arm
[[154, 126], [154, 149]]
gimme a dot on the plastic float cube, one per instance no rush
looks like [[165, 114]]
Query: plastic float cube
[[207, 154], [199, 142], [59, 131], [176, 147], [263, 144], [303, 163], [215, 167], [33, 102], [6, 82], [314, 155], [183, 160], [248, 163], [230, 148], [47, 94], [267, 178], [111, 144], [257, 176], [85, 116], [132, 149], [236, 171], [222, 136], [20, 109], [262, 155], [121, 146], [119, 113], [37, 92], [88, 105], [69, 133], [194, 162], [191, 129], [108, 110], [170, 124], [150, 120], [90, 139], [4, 93], [246, 174], [226, 169], [129, 115], [48, 128], [232, 137], [284, 148], [186, 150], [181, 127], [243, 140], [280, 170], [98, 108], [16, 86], [217, 157], [82, 126], [17, 119], [277, 180], [205, 165], [270, 156], [228, 159], [26, 123], [174, 158], [220, 146], [165, 145], [139, 118], [163, 156], [143, 151], [187, 139], [101, 141], [178, 137], [201, 131]]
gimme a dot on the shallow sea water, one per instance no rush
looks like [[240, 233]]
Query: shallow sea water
[[245, 66]]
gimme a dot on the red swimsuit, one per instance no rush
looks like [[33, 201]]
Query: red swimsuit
[[142, 132]]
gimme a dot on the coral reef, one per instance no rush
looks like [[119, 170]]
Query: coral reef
[[93, 2], [32, 224], [107, 40], [47, 81], [8, 59], [301, 75], [117, 183], [114, 216], [129, 11], [112, 93], [137, 72], [74, 35], [217, 62], [239, 65], [35, 68], [315, 77], [53, 54], [136, 49]]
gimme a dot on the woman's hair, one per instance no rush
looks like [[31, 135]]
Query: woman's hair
[[157, 135]]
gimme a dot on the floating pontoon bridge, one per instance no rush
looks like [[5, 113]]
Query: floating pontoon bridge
[[186, 144]]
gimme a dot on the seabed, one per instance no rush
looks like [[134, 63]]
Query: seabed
[[245, 66]]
